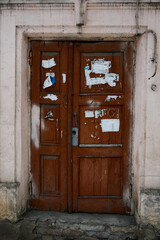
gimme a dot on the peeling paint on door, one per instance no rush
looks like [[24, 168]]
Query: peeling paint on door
[[35, 126]]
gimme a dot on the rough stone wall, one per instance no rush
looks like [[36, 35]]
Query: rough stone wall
[[8, 200]]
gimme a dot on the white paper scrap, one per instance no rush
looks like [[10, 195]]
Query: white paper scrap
[[100, 66], [51, 97], [48, 63], [110, 125], [89, 114], [64, 77], [109, 97]]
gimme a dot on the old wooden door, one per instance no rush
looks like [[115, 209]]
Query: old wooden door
[[81, 126], [49, 125], [102, 108]]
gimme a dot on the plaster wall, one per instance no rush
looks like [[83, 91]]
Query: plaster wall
[[22, 22]]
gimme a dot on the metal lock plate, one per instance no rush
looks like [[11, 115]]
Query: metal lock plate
[[75, 136]]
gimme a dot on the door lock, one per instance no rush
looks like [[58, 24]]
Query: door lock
[[75, 136]]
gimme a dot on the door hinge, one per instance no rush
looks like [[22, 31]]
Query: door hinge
[[30, 58], [130, 191], [30, 188]]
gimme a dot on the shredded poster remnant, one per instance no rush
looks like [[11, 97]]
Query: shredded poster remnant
[[89, 114], [51, 97], [64, 77], [100, 66], [48, 63], [50, 80], [97, 113], [109, 97], [110, 125]]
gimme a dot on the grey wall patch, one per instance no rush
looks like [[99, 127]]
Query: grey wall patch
[[48, 63]]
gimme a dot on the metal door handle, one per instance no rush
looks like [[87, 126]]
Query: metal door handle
[[75, 119]]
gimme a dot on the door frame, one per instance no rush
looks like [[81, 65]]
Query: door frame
[[70, 115]]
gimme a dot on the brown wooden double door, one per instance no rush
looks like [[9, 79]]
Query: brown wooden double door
[[81, 126]]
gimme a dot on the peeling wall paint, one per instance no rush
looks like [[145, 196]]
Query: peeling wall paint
[[64, 77], [51, 97], [100, 66], [110, 125], [50, 80], [48, 63]]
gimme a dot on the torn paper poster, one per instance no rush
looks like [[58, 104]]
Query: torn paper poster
[[48, 63], [89, 114], [64, 77], [51, 97], [110, 125], [100, 113], [109, 97], [50, 80], [100, 66], [49, 115], [97, 113]]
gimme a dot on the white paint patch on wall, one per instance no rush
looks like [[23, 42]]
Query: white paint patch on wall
[[64, 77], [109, 97], [48, 63], [51, 97], [100, 66], [35, 125], [110, 125]]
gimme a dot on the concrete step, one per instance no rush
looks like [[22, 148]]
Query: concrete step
[[49, 225]]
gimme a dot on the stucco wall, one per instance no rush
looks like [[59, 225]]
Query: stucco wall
[[102, 21]]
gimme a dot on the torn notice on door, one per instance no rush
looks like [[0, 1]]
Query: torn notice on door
[[97, 113], [64, 77], [100, 66], [48, 63], [50, 80], [110, 125], [109, 97], [49, 115], [89, 114], [51, 97]]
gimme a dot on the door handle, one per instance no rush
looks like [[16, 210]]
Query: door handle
[[75, 119]]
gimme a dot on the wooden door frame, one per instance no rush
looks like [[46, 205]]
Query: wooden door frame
[[70, 113]]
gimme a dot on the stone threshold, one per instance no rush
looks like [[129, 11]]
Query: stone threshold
[[49, 225]]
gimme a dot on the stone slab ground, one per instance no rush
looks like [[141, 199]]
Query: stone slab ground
[[47, 225]]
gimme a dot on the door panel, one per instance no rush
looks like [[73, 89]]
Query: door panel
[[84, 90], [49, 125], [101, 100]]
